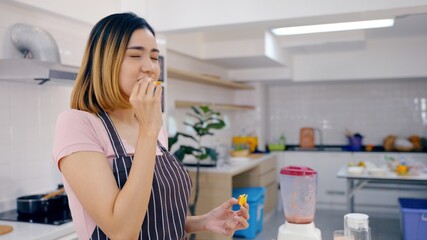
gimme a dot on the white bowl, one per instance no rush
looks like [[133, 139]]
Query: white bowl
[[355, 170], [377, 171]]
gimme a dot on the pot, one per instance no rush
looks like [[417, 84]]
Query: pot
[[39, 204]]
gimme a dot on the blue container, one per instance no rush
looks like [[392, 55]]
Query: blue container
[[414, 218], [355, 142], [256, 197]]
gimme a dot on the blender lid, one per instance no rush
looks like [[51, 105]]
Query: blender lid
[[297, 171]]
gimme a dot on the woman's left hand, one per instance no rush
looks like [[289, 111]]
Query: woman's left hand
[[225, 221]]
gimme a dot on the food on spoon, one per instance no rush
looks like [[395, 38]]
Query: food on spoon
[[242, 199], [158, 83]]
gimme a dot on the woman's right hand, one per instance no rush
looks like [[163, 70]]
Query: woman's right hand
[[146, 100]]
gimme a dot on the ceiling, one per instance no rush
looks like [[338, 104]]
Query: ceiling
[[252, 45]]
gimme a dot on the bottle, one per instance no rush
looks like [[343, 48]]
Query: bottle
[[282, 141], [356, 225]]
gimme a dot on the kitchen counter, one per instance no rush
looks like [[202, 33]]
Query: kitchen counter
[[217, 184], [233, 169], [342, 148], [35, 231]]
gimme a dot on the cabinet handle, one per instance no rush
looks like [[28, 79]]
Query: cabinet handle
[[340, 193]]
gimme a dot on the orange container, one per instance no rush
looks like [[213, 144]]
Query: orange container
[[251, 141]]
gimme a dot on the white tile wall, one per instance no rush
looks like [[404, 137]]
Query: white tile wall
[[181, 90], [374, 108], [27, 129], [28, 111]]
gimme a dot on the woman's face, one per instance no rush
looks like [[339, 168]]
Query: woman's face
[[140, 60]]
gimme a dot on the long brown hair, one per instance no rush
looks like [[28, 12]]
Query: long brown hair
[[96, 88]]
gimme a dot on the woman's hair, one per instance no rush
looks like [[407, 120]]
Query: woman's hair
[[97, 85]]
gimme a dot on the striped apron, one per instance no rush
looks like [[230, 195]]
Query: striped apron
[[167, 209]]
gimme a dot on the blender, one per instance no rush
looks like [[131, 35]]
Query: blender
[[298, 186]]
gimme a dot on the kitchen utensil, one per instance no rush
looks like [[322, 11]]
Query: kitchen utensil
[[355, 170], [355, 142], [306, 138], [42, 203], [5, 229], [356, 225], [298, 189], [340, 235], [240, 153], [298, 186], [53, 194]]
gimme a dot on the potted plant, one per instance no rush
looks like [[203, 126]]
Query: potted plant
[[205, 120]]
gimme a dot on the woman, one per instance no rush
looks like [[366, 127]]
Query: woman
[[115, 123]]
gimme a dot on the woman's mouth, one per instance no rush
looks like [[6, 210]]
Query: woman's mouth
[[149, 79]]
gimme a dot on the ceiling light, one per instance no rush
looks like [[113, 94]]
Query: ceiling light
[[333, 27]]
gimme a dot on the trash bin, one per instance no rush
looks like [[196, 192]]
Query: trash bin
[[413, 218], [256, 198]]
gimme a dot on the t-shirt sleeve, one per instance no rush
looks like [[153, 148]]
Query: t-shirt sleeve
[[74, 133], [163, 137]]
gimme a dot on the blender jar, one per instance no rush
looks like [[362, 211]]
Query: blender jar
[[298, 186]]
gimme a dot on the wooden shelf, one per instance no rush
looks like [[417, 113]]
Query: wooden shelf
[[208, 80], [187, 104]]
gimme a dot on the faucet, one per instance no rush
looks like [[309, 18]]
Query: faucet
[[320, 138]]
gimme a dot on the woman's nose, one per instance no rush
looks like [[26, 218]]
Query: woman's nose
[[147, 65]]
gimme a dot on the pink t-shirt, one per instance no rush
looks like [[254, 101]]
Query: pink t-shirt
[[78, 131]]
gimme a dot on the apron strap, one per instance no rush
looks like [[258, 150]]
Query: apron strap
[[163, 149], [116, 142]]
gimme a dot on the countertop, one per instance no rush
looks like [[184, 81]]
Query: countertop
[[235, 168], [36, 231], [342, 148]]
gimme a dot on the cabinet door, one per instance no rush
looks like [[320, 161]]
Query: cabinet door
[[332, 190]]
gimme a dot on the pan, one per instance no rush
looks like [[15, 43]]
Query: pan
[[42, 203]]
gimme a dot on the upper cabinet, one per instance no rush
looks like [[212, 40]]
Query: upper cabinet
[[203, 79]]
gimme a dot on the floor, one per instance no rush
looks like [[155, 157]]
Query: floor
[[382, 228]]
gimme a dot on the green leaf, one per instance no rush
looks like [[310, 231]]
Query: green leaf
[[195, 110], [202, 156], [212, 153], [195, 116], [205, 109], [218, 125], [184, 150], [173, 140]]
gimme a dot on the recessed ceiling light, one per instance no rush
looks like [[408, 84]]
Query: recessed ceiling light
[[333, 27]]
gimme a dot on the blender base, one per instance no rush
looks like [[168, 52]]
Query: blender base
[[291, 231]]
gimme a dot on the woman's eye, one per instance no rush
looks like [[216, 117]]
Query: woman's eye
[[135, 56], [155, 59]]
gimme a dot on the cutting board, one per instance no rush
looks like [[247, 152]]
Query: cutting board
[[5, 229]]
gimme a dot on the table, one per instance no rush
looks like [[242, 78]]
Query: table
[[356, 182]]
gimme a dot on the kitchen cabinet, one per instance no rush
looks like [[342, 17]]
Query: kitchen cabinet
[[205, 79], [216, 185], [216, 106]]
